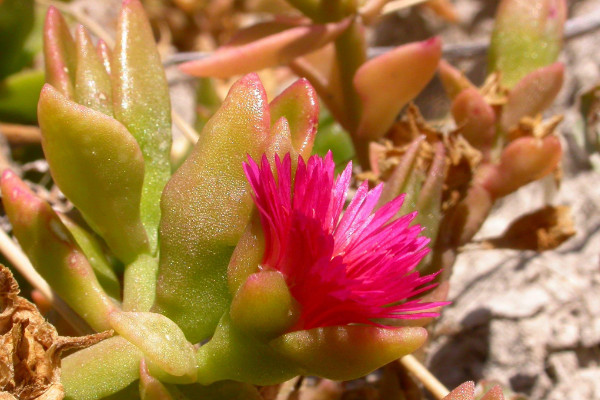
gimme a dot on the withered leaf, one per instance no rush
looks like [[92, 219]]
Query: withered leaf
[[30, 347], [541, 230]]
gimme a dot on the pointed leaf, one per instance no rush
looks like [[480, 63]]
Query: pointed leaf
[[495, 393], [524, 160], [387, 83], [54, 253], [475, 119], [100, 370], [159, 338], [206, 207], [92, 83], [96, 257], [527, 35], [60, 54], [532, 94], [142, 104], [453, 80], [150, 387], [270, 51], [300, 106], [347, 352], [107, 183], [105, 55], [466, 391]]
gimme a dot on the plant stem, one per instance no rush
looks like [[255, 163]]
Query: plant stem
[[431, 383], [21, 263]]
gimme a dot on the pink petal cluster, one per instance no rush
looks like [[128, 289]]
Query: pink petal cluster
[[342, 268]]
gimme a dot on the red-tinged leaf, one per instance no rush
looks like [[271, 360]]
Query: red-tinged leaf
[[524, 160], [142, 104], [347, 352], [281, 140], [495, 393], [466, 391], [106, 185], [387, 83], [160, 339], [395, 185], [54, 252], [532, 94], [100, 370], [527, 35], [300, 106], [475, 119], [60, 54], [270, 51], [454, 81], [150, 387], [206, 206], [105, 54], [92, 83]]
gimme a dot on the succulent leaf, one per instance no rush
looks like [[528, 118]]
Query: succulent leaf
[[60, 54], [387, 83], [106, 185], [100, 370], [347, 352], [54, 252], [159, 338], [142, 105], [269, 51], [206, 206]]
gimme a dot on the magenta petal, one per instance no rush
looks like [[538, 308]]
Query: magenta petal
[[348, 268]]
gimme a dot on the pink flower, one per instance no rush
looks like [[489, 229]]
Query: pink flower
[[355, 269]]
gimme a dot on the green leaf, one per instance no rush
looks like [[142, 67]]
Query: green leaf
[[54, 252], [206, 206], [92, 82], [347, 352], [142, 104], [60, 54], [527, 35], [19, 94], [160, 339], [16, 22], [93, 251], [100, 370], [106, 183], [300, 106]]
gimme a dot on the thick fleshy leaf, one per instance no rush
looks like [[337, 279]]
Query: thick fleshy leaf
[[326, 10], [247, 256], [387, 83], [93, 251], [159, 338], [347, 352], [100, 370], [150, 387], [453, 80], [532, 94], [92, 83], [142, 104], [524, 160], [106, 185], [495, 393], [263, 306], [139, 283], [16, 22], [54, 253], [60, 54], [429, 200], [475, 119], [19, 94], [232, 354], [300, 106], [466, 391], [206, 207], [527, 35], [270, 51], [105, 55]]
